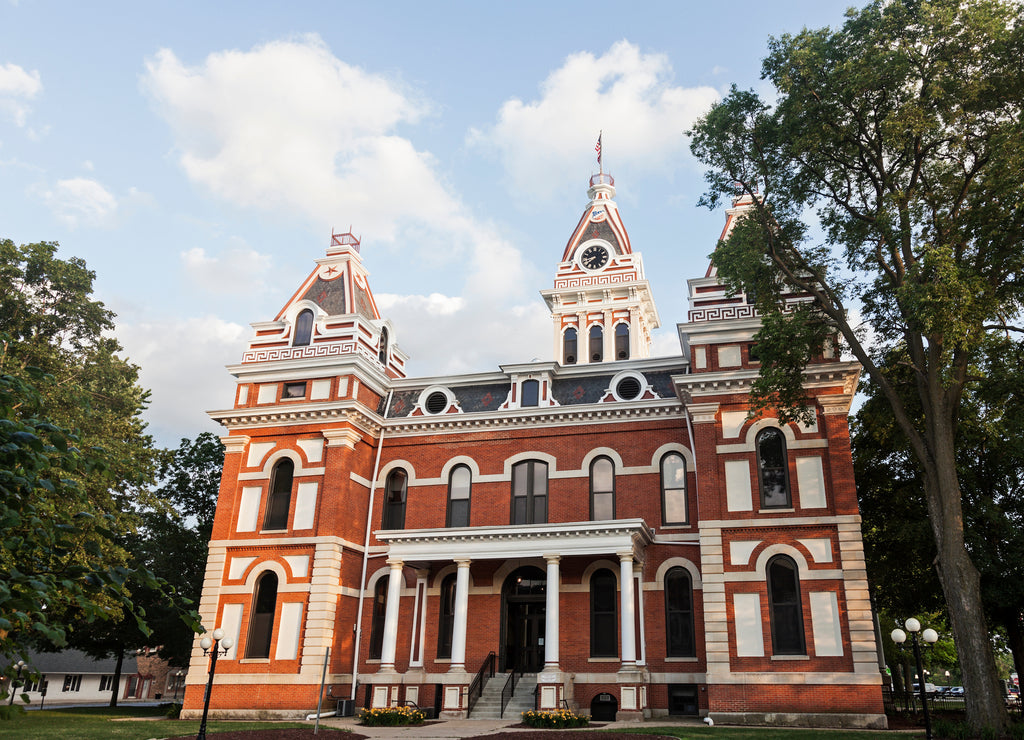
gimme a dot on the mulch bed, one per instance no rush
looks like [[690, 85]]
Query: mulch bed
[[293, 733]]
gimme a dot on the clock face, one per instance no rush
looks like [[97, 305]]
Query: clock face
[[594, 257]]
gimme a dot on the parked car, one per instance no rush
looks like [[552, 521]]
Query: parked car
[[955, 691]]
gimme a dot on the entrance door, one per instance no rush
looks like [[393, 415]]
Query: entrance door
[[522, 648]]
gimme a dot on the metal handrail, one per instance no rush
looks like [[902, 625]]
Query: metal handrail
[[477, 686], [509, 690]]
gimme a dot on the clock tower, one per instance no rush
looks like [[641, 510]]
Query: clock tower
[[601, 306]]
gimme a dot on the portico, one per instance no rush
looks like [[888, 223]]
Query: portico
[[546, 545]]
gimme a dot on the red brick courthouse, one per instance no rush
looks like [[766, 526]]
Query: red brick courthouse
[[611, 525]]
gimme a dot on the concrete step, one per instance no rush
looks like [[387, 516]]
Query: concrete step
[[488, 706]]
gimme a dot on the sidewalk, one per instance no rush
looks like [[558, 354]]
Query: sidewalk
[[461, 728]]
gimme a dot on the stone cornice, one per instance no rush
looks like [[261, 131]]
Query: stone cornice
[[523, 541], [827, 375], [317, 413], [602, 413]]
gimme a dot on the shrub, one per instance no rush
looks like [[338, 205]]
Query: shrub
[[391, 716], [10, 711], [173, 711], [557, 719], [949, 730]]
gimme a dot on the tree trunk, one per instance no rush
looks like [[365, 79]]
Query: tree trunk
[[117, 679], [1015, 637], [961, 586]]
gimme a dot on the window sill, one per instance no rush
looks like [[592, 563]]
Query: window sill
[[374, 661], [791, 657], [694, 659], [442, 660], [274, 531], [677, 526], [779, 510], [252, 661], [603, 660]]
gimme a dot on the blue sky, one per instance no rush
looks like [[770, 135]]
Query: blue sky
[[197, 156]]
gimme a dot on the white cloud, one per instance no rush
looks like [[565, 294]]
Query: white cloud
[[239, 269], [80, 201], [182, 363], [289, 126], [16, 88], [629, 95]]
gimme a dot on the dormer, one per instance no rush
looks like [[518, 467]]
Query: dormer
[[331, 315], [601, 305]]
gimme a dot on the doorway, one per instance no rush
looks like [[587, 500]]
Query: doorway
[[523, 596]]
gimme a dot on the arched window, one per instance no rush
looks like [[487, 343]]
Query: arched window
[[303, 328], [602, 489], [569, 346], [380, 604], [773, 469], [531, 393], [603, 642], [596, 344], [394, 500], [446, 617], [622, 342], [674, 509], [784, 606], [280, 498], [459, 484], [261, 619], [530, 492], [382, 354], [679, 638]]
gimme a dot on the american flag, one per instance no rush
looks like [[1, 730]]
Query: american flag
[[598, 147]]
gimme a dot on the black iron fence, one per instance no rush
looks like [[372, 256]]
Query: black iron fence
[[901, 702]]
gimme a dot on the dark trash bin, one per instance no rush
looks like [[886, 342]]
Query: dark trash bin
[[346, 708]]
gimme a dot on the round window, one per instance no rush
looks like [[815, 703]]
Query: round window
[[436, 402], [628, 388]]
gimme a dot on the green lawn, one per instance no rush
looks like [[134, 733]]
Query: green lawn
[[129, 723], [133, 723]]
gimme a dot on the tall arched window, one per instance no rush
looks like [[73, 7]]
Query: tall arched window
[[303, 328], [603, 642], [530, 492], [394, 500], [674, 509], [679, 637], [596, 343], [280, 498], [261, 618], [773, 469], [784, 606], [380, 604], [446, 617], [622, 342], [531, 393], [602, 489], [569, 346], [459, 484], [382, 354]]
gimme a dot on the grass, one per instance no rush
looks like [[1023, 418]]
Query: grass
[[144, 723], [129, 723], [769, 733]]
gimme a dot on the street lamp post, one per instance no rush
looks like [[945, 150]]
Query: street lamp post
[[177, 685], [219, 645], [14, 681], [930, 636]]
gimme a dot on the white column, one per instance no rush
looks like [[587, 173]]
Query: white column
[[419, 620], [551, 615], [387, 650], [638, 574], [609, 335], [461, 616], [582, 339], [628, 613]]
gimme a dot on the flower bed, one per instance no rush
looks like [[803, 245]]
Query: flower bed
[[557, 719], [391, 717]]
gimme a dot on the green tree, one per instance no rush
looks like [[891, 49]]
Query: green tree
[[65, 373], [901, 134], [173, 539]]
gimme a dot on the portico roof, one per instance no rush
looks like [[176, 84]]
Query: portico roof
[[518, 541]]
